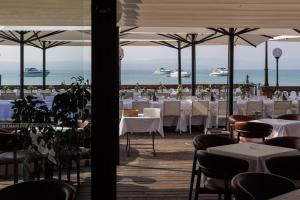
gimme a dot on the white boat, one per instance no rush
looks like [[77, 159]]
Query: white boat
[[34, 72], [162, 71], [174, 74], [220, 71]]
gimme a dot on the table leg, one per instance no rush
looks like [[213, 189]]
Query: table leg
[[153, 136]]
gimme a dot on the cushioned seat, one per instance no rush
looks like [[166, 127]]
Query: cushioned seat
[[37, 190], [202, 142], [286, 141], [253, 130], [259, 186], [237, 118], [217, 167], [287, 166]]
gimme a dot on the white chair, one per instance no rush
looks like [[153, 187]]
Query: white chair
[[172, 109], [293, 95], [254, 107], [163, 94], [128, 95], [221, 111], [281, 108], [120, 108], [152, 112], [199, 109], [8, 96], [140, 105]]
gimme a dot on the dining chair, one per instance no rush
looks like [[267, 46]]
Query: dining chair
[[128, 95], [281, 108], [199, 109], [289, 117], [140, 105], [172, 109], [130, 112], [41, 189], [202, 142], [259, 186], [219, 170], [237, 118], [8, 96], [286, 141], [249, 129], [254, 108], [222, 112], [287, 166]]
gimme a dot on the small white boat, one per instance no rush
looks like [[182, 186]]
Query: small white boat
[[34, 72], [220, 71], [184, 74], [162, 71]]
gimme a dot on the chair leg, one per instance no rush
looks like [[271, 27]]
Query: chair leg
[[78, 172], [198, 184], [193, 176], [190, 125]]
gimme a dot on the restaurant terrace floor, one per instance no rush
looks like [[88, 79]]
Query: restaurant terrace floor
[[166, 175]]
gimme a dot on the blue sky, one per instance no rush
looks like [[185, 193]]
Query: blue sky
[[208, 57]]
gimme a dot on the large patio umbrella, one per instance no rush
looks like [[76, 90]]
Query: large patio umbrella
[[211, 37], [67, 38], [23, 37]]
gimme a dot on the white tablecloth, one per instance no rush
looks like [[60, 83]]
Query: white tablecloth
[[140, 124], [282, 127], [255, 154]]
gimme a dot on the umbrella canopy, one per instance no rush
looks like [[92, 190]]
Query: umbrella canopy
[[206, 13], [45, 13]]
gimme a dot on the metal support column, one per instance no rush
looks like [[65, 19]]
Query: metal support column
[[179, 62], [266, 65], [104, 53], [44, 64], [230, 69], [22, 65], [277, 84], [193, 64]]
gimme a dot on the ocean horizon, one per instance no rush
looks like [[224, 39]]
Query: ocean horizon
[[287, 77], [60, 72]]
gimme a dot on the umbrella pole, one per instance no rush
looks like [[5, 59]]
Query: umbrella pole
[[193, 64], [22, 65], [266, 65], [179, 62], [44, 65], [230, 68]]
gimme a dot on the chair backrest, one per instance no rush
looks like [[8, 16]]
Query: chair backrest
[[223, 94], [289, 117], [254, 106], [202, 142], [253, 129], [8, 96], [217, 166], [287, 166], [140, 105], [36, 190], [222, 108], [237, 118], [171, 108], [163, 94], [128, 95], [130, 113], [200, 108], [152, 112], [281, 107], [286, 141], [259, 186]]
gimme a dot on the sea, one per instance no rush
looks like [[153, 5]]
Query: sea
[[60, 72], [287, 77]]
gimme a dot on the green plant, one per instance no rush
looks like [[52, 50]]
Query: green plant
[[179, 91]]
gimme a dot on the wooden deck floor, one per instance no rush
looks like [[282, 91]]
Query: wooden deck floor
[[164, 176]]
